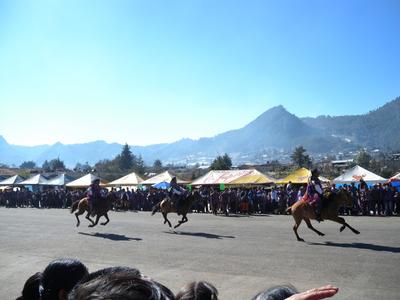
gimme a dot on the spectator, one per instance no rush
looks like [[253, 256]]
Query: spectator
[[200, 290], [31, 288]]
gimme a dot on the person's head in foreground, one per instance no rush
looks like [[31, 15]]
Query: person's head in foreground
[[120, 284], [31, 288], [197, 290], [59, 277], [288, 292]]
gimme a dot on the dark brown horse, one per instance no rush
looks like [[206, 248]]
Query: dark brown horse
[[166, 206], [102, 208], [301, 210]]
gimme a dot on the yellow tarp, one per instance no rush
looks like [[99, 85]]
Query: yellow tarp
[[299, 176]]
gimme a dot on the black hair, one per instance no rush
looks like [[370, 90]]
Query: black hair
[[61, 274], [120, 285], [31, 288], [200, 290], [279, 292]]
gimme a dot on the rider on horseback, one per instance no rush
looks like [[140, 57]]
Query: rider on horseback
[[314, 193], [177, 193], [94, 195]]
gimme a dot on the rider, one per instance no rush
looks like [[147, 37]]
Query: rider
[[314, 193], [93, 194], [177, 193]]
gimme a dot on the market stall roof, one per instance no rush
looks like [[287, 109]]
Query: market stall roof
[[127, 180], [37, 179], [165, 176], [391, 179], [12, 180], [238, 177], [355, 174], [299, 176], [85, 181], [60, 180]]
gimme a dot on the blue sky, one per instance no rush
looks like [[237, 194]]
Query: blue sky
[[147, 72]]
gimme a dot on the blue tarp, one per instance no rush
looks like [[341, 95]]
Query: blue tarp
[[161, 185]]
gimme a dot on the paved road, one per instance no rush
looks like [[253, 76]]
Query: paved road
[[240, 255]]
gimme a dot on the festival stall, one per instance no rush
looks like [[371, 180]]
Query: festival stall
[[233, 177], [131, 180], [10, 181], [162, 177], [300, 176], [37, 179], [85, 181], [60, 180], [357, 173]]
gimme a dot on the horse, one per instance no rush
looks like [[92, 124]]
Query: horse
[[166, 206], [301, 210], [103, 205]]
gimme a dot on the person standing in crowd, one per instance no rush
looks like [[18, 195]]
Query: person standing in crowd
[[363, 193]]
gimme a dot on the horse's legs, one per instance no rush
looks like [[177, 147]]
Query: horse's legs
[[309, 225], [78, 222], [88, 217], [97, 221], [340, 220], [108, 220], [295, 227], [184, 220], [166, 219]]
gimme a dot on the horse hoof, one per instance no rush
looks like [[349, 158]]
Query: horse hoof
[[103, 224], [342, 228], [300, 240], [322, 234], [356, 232]]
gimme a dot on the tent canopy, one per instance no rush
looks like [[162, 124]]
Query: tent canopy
[[60, 180], [394, 178], [165, 176], [300, 176], [37, 179], [355, 174], [127, 180], [85, 181], [12, 180], [233, 177]]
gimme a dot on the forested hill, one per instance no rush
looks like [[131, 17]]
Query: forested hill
[[379, 128]]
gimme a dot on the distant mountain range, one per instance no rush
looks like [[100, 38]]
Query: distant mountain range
[[273, 135]]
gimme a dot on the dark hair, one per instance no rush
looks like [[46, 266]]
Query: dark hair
[[31, 288], [61, 274], [200, 290], [279, 292], [110, 270], [120, 285]]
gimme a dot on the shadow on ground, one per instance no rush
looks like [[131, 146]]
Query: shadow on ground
[[111, 236], [202, 234], [372, 247]]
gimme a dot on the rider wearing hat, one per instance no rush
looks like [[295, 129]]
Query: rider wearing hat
[[314, 193], [93, 195], [177, 193]]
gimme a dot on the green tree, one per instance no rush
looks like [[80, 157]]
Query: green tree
[[28, 165], [363, 159], [126, 158], [221, 163], [46, 165], [300, 158], [139, 165], [56, 164], [157, 166]]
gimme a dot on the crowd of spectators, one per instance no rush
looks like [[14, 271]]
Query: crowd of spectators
[[69, 279], [379, 199]]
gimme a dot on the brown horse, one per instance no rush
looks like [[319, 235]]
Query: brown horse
[[166, 206], [102, 208], [301, 210]]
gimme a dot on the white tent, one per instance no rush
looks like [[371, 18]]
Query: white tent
[[37, 179], [12, 180], [60, 180], [391, 179], [355, 174], [162, 177], [233, 177], [84, 181], [127, 180]]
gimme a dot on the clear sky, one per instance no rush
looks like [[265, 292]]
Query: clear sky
[[146, 72]]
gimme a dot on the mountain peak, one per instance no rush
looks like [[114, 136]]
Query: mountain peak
[[3, 140]]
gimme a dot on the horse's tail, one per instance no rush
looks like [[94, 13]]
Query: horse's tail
[[156, 208], [289, 210], [74, 206]]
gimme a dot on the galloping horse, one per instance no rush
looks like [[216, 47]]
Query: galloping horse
[[102, 208], [301, 210], [165, 206]]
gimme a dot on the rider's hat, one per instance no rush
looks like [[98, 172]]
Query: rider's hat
[[173, 180], [96, 180], [315, 173]]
